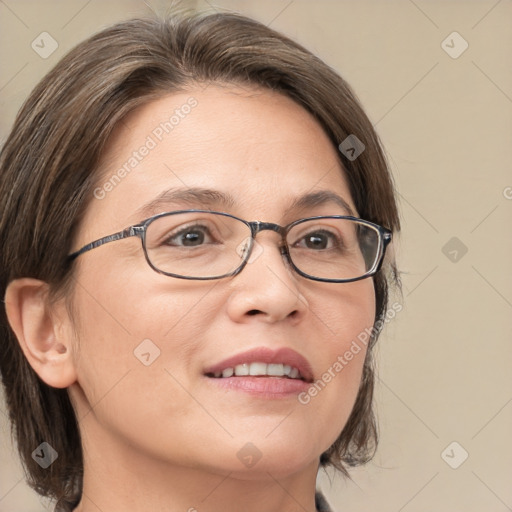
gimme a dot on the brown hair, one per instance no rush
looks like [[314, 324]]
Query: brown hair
[[47, 177]]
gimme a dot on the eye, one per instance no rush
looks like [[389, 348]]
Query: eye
[[193, 235], [320, 239]]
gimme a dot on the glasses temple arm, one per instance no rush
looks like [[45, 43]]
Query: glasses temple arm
[[128, 232]]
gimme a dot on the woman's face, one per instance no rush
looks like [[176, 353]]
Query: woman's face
[[146, 340]]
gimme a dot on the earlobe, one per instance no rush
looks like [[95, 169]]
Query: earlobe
[[41, 331]]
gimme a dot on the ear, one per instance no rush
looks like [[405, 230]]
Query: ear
[[43, 331]]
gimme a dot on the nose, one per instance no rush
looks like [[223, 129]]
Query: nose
[[267, 287]]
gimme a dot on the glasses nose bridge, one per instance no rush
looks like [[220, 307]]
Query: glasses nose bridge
[[258, 226]]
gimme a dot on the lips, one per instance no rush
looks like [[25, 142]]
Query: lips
[[285, 356]]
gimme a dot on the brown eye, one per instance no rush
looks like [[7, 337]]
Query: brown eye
[[192, 236], [321, 240]]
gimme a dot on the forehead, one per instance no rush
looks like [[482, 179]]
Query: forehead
[[256, 146]]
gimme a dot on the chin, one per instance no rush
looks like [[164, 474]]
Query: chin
[[280, 458]]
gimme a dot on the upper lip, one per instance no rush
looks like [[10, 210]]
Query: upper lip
[[266, 355]]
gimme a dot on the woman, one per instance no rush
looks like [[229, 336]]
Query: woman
[[212, 364]]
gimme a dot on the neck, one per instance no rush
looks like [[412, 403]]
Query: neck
[[119, 477]]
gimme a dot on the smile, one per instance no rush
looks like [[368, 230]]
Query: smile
[[259, 369]]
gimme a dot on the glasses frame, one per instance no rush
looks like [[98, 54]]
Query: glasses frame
[[139, 230]]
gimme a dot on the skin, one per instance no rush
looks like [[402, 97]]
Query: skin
[[161, 437]]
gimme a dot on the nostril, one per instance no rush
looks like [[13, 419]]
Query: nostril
[[253, 312]]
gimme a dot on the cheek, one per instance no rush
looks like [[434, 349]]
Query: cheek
[[129, 337], [344, 312], [347, 317], [131, 361]]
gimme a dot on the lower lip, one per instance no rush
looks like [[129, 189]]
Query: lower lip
[[263, 387]]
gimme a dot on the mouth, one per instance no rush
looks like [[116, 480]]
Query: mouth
[[259, 369], [263, 372]]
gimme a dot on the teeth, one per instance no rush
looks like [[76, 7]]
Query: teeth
[[275, 369], [241, 369], [228, 372], [258, 369]]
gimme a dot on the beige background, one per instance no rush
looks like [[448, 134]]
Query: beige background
[[446, 122]]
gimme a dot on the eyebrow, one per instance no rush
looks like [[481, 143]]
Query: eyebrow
[[204, 197]]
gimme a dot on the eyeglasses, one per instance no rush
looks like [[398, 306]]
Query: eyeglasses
[[203, 244]]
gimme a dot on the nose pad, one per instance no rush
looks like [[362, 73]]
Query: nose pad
[[251, 244], [257, 249], [268, 290]]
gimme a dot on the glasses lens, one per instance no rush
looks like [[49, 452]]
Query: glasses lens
[[331, 248], [210, 245], [197, 244]]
